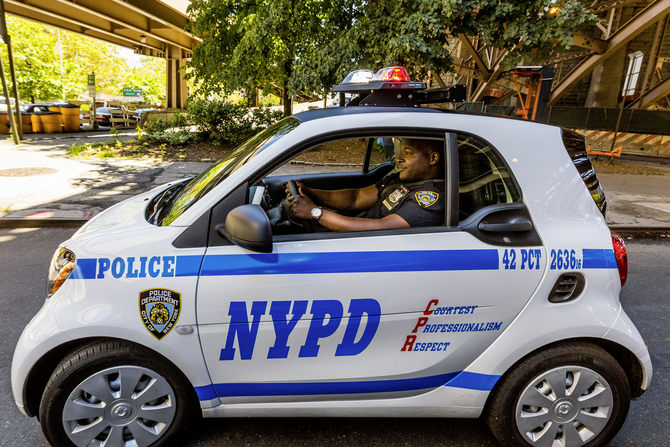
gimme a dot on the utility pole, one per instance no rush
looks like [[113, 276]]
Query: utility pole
[[17, 132]]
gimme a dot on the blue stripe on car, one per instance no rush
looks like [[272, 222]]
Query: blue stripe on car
[[598, 259], [349, 262], [465, 380]]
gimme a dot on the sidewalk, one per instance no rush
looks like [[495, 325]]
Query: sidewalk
[[40, 185]]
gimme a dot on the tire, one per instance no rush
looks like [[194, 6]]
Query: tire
[[112, 392], [575, 394]]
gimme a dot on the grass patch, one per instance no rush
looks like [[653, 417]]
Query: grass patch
[[77, 149], [106, 153]]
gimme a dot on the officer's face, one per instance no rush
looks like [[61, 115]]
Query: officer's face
[[413, 163]]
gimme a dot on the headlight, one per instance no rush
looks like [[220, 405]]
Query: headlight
[[61, 266]]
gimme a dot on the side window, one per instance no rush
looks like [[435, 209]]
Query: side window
[[483, 178], [383, 150], [332, 170], [332, 156]]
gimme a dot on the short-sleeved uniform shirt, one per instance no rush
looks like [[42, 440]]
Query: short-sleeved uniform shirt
[[420, 204]]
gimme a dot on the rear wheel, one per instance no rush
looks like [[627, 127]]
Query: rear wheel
[[569, 395], [115, 394]]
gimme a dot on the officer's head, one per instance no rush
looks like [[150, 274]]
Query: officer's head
[[420, 159]]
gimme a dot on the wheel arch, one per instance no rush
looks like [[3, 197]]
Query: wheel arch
[[42, 369], [628, 361]]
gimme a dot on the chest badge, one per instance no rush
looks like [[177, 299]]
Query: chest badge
[[395, 197], [159, 309], [426, 198]]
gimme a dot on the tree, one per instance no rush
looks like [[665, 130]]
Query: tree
[[38, 68], [35, 56], [250, 44], [309, 45], [150, 77]]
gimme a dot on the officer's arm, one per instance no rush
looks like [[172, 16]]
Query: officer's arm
[[337, 222], [343, 199]]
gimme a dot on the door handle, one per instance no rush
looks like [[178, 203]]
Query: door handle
[[519, 225]]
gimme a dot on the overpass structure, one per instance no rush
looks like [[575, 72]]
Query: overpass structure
[[148, 27]]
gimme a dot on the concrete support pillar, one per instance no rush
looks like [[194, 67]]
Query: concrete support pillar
[[176, 90]]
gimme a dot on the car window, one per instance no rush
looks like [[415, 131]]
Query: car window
[[339, 165], [218, 172], [484, 179], [333, 156]]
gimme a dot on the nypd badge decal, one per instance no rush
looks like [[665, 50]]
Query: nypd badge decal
[[159, 309], [426, 198]]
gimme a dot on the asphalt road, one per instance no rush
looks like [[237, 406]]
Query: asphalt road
[[25, 254]]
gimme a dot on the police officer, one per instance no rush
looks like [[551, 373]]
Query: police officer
[[412, 197]]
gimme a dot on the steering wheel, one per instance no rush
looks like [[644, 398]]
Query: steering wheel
[[294, 191]]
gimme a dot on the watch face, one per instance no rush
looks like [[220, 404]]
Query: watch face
[[316, 213]]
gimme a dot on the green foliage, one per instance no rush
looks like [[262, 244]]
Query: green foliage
[[223, 122], [310, 45], [38, 69], [525, 27], [149, 76], [256, 46], [76, 149], [106, 153], [166, 131]]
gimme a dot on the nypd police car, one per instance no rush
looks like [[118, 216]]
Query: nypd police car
[[212, 296]]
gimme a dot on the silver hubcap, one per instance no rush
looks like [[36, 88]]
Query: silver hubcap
[[122, 406], [564, 407]]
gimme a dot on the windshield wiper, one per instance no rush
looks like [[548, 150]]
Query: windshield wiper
[[163, 203]]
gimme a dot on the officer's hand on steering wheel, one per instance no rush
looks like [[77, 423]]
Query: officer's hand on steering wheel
[[301, 206]]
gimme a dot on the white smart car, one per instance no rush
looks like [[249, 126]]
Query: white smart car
[[207, 296]]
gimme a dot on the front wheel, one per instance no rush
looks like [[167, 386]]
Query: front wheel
[[570, 395], [115, 394]]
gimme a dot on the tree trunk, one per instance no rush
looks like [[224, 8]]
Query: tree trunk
[[288, 100]]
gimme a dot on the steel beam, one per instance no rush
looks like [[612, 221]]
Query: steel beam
[[606, 6], [591, 43], [655, 51], [123, 23], [643, 20], [473, 52], [657, 93], [465, 71]]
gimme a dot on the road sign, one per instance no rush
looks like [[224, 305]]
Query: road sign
[[91, 85], [133, 94]]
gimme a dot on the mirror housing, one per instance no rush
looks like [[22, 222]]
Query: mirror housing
[[249, 227]]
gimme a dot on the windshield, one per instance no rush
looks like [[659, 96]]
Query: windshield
[[218, 172]]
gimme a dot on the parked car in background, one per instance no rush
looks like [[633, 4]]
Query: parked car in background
[[29, 108], [34, 108], [3, 103], [103, 115]]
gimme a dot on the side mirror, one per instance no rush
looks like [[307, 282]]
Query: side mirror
[[249, 227]]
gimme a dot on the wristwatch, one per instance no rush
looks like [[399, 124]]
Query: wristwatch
[[317, 212]]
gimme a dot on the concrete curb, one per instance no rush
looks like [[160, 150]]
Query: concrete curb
[[633, 230], [8, 222]]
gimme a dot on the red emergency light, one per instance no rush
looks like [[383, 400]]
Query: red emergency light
[[395, 74]]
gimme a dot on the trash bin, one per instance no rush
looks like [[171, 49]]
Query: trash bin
[[54, 108], [27, 123], [4, 126], [70, 114], [52, 122], [36, 120]]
